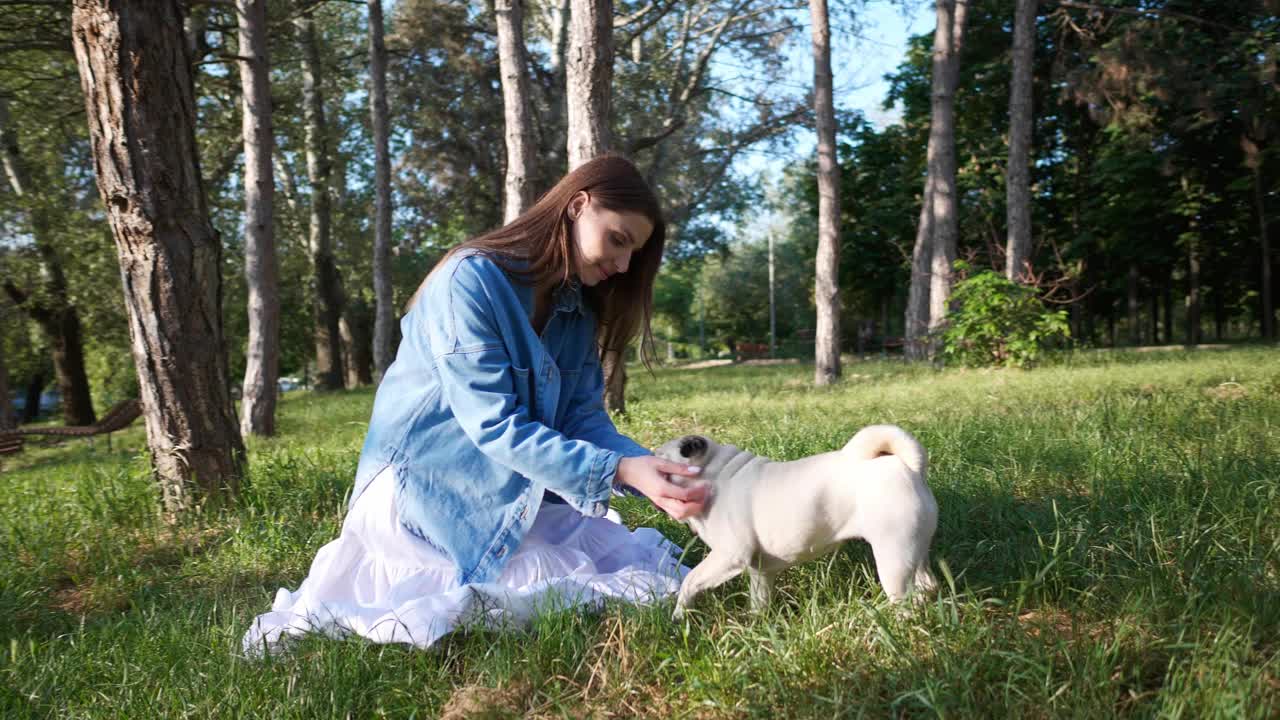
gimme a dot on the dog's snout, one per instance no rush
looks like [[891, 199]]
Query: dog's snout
[[692, 445]]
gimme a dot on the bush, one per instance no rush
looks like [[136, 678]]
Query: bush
[[995, 321]]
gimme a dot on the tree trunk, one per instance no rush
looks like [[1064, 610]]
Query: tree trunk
[[615, 373], [553, 139], [384, 325], [140, 105], [327, 304], [1193, 292], [1018, 184], [588, 81], [7, 421], [826, 368], [51, 309], [1220, 316], [1155, 318], [935, 246], [31, 408], [589, 78], [357, 358], [521, 168], [945, 200], [262, 275], [1268, 305], [1135, 328], [1168, 308], [916, 318]]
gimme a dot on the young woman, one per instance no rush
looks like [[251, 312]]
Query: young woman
[[489, 461]]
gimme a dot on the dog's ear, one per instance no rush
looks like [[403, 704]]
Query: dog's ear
[[692, 446]]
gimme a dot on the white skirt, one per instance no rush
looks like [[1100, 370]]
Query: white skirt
[[382, 583]]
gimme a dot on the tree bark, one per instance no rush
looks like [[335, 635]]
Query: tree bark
[[945, 200], [140, 105], [553, 137], [1268, 304], [31, 408], [262, 275], [1220, 316], [1193, 292], [827, 265], [521, 168], [384, 312], [1135, 329], [615, 376], [1018, 175], [327, 303], [588, 87], [7, 421], [1155, 317], [357, 344], [916, 318], [935, 246], [53, 311], [589, 78]]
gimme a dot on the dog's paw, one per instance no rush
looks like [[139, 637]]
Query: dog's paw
[[678, 614]]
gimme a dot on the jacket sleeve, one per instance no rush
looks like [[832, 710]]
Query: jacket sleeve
[[478, 382], [588, 419]]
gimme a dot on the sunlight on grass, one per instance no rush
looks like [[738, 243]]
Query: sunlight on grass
[[1108, 535]]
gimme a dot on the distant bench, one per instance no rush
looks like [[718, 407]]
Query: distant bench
[[10, 443]]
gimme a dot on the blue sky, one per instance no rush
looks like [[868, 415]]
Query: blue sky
[[858, 66]]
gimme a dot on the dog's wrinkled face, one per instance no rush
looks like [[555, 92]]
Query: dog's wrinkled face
[[690, 450]]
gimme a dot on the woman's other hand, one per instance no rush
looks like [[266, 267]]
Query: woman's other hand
[[648, 475]]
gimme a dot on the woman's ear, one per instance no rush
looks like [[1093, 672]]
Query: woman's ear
[[577, 203]]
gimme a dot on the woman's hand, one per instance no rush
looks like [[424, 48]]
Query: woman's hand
[[647, 474]]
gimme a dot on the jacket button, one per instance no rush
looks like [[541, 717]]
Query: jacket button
[[502, 551]]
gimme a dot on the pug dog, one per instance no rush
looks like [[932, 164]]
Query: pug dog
[[763, 516]]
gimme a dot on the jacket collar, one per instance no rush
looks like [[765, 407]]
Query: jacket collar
[[569, 296]]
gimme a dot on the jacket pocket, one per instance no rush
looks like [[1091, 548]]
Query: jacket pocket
[[525, 387]]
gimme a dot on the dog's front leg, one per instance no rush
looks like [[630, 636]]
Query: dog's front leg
[[715, 568], [761, 588]]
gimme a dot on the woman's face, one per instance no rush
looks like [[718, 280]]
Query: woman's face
[[606, 239]]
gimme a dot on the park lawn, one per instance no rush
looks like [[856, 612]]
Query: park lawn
[[1109, 544]]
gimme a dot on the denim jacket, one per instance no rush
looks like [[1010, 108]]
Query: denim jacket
[[478, 415]]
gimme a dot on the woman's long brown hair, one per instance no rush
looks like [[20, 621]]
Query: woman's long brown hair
[[542, 239]]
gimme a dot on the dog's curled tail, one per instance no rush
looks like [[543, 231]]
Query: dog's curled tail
[[875, 440]]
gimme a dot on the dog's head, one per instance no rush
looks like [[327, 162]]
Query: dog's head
[[692, 450], [689, 449]]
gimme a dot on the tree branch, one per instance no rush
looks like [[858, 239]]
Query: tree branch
[[1074, 5]]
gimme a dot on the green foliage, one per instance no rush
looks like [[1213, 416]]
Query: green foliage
[[1147, 133], [995, 321], [736, 290]]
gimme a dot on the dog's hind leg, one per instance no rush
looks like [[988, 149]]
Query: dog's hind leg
[[715, 568], [761, 588]]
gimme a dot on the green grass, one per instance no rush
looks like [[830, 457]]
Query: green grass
[[1109, 541]]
